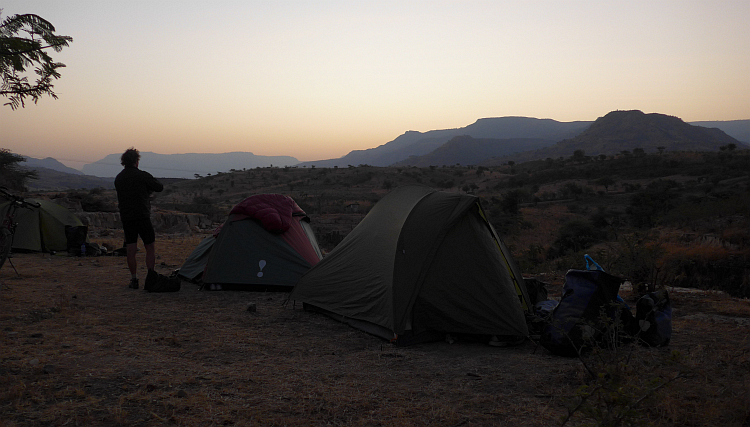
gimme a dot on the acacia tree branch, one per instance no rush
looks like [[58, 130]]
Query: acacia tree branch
[[27, 91], [19, 53], [30, 50]]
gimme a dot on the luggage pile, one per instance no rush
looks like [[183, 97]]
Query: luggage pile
[[590, 314]]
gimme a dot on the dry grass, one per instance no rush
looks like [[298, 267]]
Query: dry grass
[[79, 348]]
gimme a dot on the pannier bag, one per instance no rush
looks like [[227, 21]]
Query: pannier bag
[[653, 313], [577, 322]]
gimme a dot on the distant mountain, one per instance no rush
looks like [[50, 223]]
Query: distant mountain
[[54, 180], [53, 175], [187, 165], [413, 143], [466, 150], [49, 163], [498, 136], [626, 130], [738, 129]]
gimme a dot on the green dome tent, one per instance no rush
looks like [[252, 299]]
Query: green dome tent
[[422, 264], [42, 229]]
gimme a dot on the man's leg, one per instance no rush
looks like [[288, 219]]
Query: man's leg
[[149, 243], [150, 255], [132, 248]]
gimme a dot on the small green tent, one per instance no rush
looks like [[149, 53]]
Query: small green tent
[[266, 244], [42, 228], [421, 264]]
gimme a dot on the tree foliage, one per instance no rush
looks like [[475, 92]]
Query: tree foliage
[[511, 201], [576, 235], [24, 43], [12, 175]]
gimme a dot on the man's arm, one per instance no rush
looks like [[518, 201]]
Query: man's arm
[[153, 183]]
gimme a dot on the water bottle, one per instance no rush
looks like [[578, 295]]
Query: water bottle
[[83, 249]]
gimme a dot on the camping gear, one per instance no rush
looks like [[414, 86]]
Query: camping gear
[[42, 228], [75, 236], [266, 243], [542, 306], [593, 265], [421, 265], [577, 323], [160, 283], [536, 289], [654, 319], [541, 317]]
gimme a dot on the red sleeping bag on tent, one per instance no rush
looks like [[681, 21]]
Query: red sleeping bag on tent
[[273, 211]]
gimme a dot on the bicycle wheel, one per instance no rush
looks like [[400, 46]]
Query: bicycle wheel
[[5, 242]]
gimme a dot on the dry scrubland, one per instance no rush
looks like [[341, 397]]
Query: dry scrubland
[[79, 348]]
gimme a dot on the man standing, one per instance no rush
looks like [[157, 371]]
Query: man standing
[[134, 187]]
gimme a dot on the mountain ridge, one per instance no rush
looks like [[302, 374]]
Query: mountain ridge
[[188, 165], [621, 131], [467, 150], [414, 143], [49, 163], [512, 132], [55, 180]]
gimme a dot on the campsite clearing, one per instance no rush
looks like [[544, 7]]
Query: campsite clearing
[[80, 348]]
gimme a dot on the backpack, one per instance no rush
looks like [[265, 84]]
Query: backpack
[[654, 319], [162, 283], [587, 309]]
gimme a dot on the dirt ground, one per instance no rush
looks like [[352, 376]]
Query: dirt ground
[[77, 347]]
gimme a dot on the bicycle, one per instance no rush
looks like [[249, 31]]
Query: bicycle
[[8, 228]]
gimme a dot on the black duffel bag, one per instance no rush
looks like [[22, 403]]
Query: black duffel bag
[[156, 282]]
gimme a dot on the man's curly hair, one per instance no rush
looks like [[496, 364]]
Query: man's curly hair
[[130, 157]]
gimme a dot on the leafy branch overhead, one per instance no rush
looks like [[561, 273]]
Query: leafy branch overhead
[[24, 44]]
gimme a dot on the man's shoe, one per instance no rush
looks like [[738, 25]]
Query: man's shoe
[[133, 284]]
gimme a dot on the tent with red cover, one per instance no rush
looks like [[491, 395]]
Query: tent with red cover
[[266, 243]]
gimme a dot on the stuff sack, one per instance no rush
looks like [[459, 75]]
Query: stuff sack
[[540, 318], [536, 289], [653, 315], [162, 283], [577, 321]]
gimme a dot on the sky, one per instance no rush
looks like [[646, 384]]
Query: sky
[[317, 79]]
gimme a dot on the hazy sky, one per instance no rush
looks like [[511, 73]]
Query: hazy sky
[[317, 79]]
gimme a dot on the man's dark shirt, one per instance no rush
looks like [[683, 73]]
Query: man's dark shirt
[[134, 187]]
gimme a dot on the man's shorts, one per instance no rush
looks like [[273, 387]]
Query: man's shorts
[[139, 227]]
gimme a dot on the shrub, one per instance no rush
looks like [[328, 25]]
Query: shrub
[[624, 387], [708, 267], [575, 235], [511, 200], [638, 258]]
